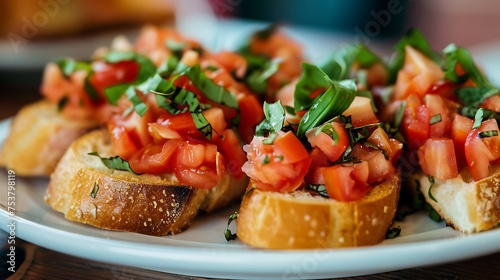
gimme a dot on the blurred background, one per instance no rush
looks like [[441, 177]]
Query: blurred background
[[33, 32]]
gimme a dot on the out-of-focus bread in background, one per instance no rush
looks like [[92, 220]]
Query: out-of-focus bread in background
[[55, 18]]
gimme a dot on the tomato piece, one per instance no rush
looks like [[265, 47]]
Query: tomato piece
[[232, 61], [155, 158], [271, 169], [436, 107], [318, 160], [492, 103], [417, 75], [445, 89], [230, 147], [379, 167], [415, 122], [107, 74], [251, 114], [361, 112], [123, 144], [191, 155], [346, 182], [479, 151], [327, 145], [289, 146], [215, 116], [183, 124], [201, 178], [380, 139], [460, 127], [437, 158]]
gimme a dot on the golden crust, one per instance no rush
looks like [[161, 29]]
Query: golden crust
[[121, 201], [298, 220], [38, 138]]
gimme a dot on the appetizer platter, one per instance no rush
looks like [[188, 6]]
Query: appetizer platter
[[151, 149]]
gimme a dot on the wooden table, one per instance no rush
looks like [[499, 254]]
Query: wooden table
[[41, 263]]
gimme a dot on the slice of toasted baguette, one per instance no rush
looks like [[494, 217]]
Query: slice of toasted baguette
[[299, 220], [86, 191], [38, 138], [465, 205]]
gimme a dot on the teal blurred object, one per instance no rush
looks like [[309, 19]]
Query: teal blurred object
[[384, 18]]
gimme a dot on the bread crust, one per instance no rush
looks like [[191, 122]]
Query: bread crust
[[299, 220], [147, 204], [38, 138], [465, 205]]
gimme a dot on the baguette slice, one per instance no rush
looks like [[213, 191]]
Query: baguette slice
[[298, 220], [86, 191], [38, 138], [465, 205]]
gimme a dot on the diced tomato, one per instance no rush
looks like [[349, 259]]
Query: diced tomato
[[123, 144], [436, 107], [479, 151], [183, 124], [201, 178], [318, 160], [288, 146], [415, 122], [137, 127], [232, 61], [271, 168], [251, 114], [327, 145], [445, 89], [107, 74], [346, 182], [155, 158], [460, 127], [361, 112], [379, 167], [229, 146], [492, 103], [392, 146], [437, 158], [191, 155], [215, 116], [417, 75]]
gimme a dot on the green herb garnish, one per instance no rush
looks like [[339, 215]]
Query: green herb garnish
[[115, 162], [429, 192], [435, 119], [95, 189], [319, 189], [227, 232], [393, 232], [489, 133]]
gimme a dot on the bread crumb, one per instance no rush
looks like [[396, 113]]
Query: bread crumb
[[386, 209], [307, 218], [155, 204], [341, 239], [113, 218], [162, 201], [314, 223], [173, 195], [79, 213], [311, 233], [153, 197], [322, 233], [367, 232], [93, 210], [145, 224], [161, 209], [374, 222], [164, 193]]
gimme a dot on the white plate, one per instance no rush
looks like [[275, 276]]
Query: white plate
[[203, 251]]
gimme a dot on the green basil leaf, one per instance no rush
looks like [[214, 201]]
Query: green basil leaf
[[327, 106], [474, 96], [94, 191], [257, 80], [454, 56], [68, 66], [393, 232], [90, 89], [311, 80], [114, 93], [115, 163], [168, 67], [227, 232], [119, 56], [471, 113], [140, 107], [429, 192], [274, 118], [175, 47], [478, 118], [435, 119], [319, 189], [489, 133]]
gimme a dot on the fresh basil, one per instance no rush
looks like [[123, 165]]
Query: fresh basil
[[474, 96], [68, 66], [328, 105], [478, 118], [274, 119], [429, 192], [227, 232], [435, 119], [94, 191], [329, 130], [319, 189], [393, 232], [257, 79], [115, 162], [460, 56], [471, 112], [311, 80], [488, 133]]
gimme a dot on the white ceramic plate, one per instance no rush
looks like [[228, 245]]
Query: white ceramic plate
[[203, 251]]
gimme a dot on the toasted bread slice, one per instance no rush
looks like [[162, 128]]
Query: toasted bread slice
[[38, 138], [465, 205], [86, 191], [299, 220]]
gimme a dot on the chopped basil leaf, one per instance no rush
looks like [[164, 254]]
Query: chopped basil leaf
[[433, 214], [416, 40], [471, 112], [459, 56], [95, 189], [329, 105], [393, 232], [257, 79], [311, 80], [489, 133], [478, 118], [435, 119], [429, 192], [375, 147], [90, 90], [329, 130], [114, 93], [62, 103], [270, 139], [68, 66], [175, 47], [140, 107], [168, 67], [115, 162], [227, 232], [119, 56], [474, 96], [158, 85], [212, 68], [266, 160], [274, 118], [319, 189]]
